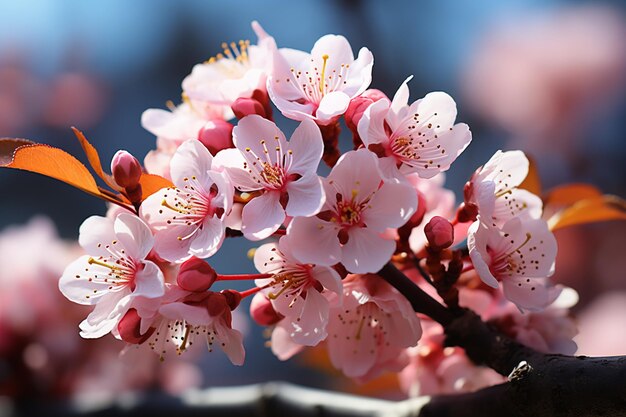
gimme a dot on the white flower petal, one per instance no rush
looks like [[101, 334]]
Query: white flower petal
[[306, 196], [262, 216]]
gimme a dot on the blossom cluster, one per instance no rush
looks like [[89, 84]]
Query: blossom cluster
[[323, 239]]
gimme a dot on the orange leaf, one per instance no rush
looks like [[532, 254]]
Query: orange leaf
[[151, 183], [568, 194], [52, 162], [590, 210], [8, 147], [94, 159], [532, 182]]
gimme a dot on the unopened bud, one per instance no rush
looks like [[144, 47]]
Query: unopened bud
[[233, 298], [357, 107], [262, 311], [126, 169], [243, 107], [196, 275], [217, 304], [440, 233], [129, 328], [216, 135]]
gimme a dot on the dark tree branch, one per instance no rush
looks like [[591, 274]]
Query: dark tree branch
[[549, 385]]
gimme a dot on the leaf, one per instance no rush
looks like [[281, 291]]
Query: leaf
[[94, 159], [532, 182], [151, 183], [569, 194], [8, 147], [52, 162], [591, 210], [47, 160]]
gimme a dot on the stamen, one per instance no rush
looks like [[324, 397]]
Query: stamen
[[91, 261], [323, 77], [164, 203]]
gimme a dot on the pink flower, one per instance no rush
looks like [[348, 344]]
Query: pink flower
[[420, 137], [114, 272], [319, 85], [297, 291], [521, 255], [369, 333], [186, 316], [284, 172], [240, 70], [435, 369], [188, 219], [359, 208], [493, 188]]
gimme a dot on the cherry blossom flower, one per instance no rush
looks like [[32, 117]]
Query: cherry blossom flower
[[435, 369], [283, 172], [297, 291], [319, 85], [521, 255], [359, 207], [184, 317], [114, 272], [188, 219], [420, 137], [370, 332], [236, 73], [493, 188]]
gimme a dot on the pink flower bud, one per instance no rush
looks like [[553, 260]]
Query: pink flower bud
[[233, 298], [357, 107], [440, 233], [263, 312], [374, 94], [217, 304], [355, 111], [129, 326], [196, 275], [243, 107], [126, 169], [216, 135]]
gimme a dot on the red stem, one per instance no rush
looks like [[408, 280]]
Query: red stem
[[241, 277]]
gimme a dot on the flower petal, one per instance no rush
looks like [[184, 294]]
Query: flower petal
[[313, 241], [262, 216], [366, 251], [391, 206], [209, 238], [306, 196], [233, 162], [192, 159], [95, 233], [332, 105], [149, 281], [134, 235], [306, 147]]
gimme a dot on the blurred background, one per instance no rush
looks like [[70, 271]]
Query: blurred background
[[547, 77]]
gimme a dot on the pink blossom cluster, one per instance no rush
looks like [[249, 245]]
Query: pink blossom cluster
[[323, 239], [41, 354]]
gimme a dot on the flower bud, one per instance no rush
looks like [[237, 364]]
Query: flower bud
[[440, 233], [129, 328], [357, 107], [217, 304], [216, 135], [233, 298], [262, 311], [126, 169], [196, 275], [243, 107]]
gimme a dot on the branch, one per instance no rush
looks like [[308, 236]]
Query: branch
[[552, 385]]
